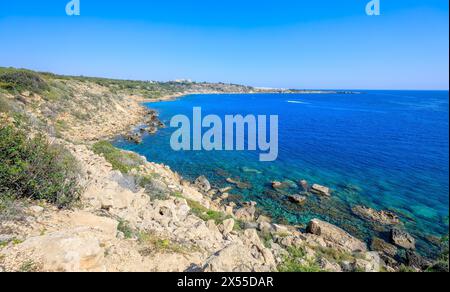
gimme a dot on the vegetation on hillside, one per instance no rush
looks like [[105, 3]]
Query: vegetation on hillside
[[22, 80], [32, 168], [296, 261], [120, 160]]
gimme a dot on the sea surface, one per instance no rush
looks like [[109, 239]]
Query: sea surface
[[388, 150]]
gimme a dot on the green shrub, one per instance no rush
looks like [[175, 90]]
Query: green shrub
[[153, 243], [334, 254], [120, 160], [20, 80], [5, 105], [205, 214], [406, 269], [32, 168], [296, 261], [125, 228], [442, 263]]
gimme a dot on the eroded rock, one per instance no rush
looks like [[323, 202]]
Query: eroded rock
[[335, 237], [321, 190], [403, 239], [381, 217]]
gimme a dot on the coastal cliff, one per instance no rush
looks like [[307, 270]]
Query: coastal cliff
[[130, 214]]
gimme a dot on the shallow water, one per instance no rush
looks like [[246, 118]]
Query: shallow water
[[384, 149]]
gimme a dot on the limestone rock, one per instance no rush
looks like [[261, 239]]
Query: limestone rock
[[335, 237], [381, 217], [227, 226], [369, 263], [321, 190], [248, 255], [304, 184], [403, 239], [300, 200], [382, 246], [415, 260], [329, 266], [65, 251], [203, 184], [247, 212], [262, 218]]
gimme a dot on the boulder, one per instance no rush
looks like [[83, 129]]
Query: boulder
[[247, 212], [321, 190], [229, 210], [304, 185], [300, 200], [203, 184], [66, 251], [246, 254], [278, 185], [225, 190], [415, 260], [380, 245], [239, 184], [227, 226], [265, 227], [134, 137], [370, 262], [329, 266], [402, 239], [238, 257], [335, 237], [262, 218], [374, 216]]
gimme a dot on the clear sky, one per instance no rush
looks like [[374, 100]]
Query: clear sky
[[326, 44]]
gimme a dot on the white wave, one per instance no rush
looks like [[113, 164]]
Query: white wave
[[297, 101]]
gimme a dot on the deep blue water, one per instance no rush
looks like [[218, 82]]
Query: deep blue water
[[384, 149]]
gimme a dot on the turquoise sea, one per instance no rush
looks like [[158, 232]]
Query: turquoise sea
[[385, 149]]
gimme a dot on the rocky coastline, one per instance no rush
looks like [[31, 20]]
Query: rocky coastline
[[146, 217]]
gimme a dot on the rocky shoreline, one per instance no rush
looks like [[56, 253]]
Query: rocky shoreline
[[147, 217]]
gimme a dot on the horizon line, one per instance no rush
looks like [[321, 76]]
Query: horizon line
[[229, 83]]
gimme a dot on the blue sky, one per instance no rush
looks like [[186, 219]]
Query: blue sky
[[278, 43]]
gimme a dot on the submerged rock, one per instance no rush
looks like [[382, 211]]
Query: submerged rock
[[304, 185], [225, 190], [241, 185], [321, 190], [277, 185], [380, 245], [403, 239], [382, 217], [300, 200], [251, 170], [134, 137]]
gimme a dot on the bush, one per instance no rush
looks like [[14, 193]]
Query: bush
[[296, 261], [120, 160], [5, 106], [21, 80], [35, 169]]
